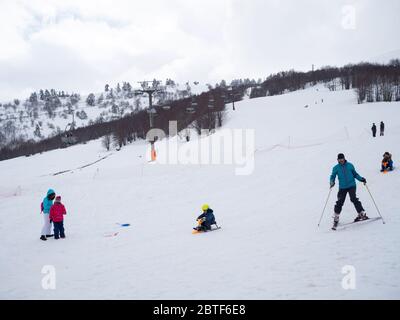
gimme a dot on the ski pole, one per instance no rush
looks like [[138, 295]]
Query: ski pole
[[373, 200], [326, 203]]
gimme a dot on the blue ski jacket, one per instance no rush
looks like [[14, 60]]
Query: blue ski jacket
[[47, 203], [389, 163], [210, 218], [346, 174]]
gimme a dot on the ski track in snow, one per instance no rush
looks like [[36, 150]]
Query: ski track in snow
[[269, 246]]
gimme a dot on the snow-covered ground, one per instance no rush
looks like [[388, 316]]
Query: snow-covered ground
[[269, 246]]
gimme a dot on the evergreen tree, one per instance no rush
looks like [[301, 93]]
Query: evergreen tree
[[46, 94], [33, 99], [110, 94], [100, 99], [91, 100], [37, 131]]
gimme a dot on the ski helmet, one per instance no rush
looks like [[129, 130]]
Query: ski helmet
[[205, 207]]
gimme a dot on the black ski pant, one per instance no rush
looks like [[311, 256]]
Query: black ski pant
[[353, 198], [59, 230]]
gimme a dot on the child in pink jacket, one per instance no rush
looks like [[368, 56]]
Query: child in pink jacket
[[57, 212]]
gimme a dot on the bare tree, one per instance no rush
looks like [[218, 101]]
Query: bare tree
[[106, 142]]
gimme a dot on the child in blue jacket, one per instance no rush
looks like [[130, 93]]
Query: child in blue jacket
[[206, 219], [387, 162]]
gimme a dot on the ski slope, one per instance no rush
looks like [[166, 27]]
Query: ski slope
[[269, 246]]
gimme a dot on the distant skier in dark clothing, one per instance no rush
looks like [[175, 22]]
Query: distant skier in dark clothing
[[346, 174], [382, 129], [387, 162], [206, 219], [373, 130]]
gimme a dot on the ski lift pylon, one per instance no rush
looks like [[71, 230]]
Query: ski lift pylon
[[68, 138]]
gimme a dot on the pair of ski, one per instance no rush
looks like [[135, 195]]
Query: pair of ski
[[342, 226]]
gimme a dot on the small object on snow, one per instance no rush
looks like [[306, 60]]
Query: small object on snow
[[123, 224], [110, 234]]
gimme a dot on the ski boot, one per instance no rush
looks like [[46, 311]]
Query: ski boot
[[335, 221], [361, 216], [200, 228], [43, 238]]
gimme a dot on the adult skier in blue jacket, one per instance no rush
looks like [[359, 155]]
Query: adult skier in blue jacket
[[347, 176]]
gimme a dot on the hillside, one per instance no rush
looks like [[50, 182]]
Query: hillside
[[47, 113], [269, 246]]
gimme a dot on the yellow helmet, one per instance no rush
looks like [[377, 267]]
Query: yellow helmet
[[205, 207]]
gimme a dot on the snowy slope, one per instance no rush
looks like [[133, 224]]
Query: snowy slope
[[269, 245]]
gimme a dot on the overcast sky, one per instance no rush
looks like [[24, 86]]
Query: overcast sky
[[79, 46]]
